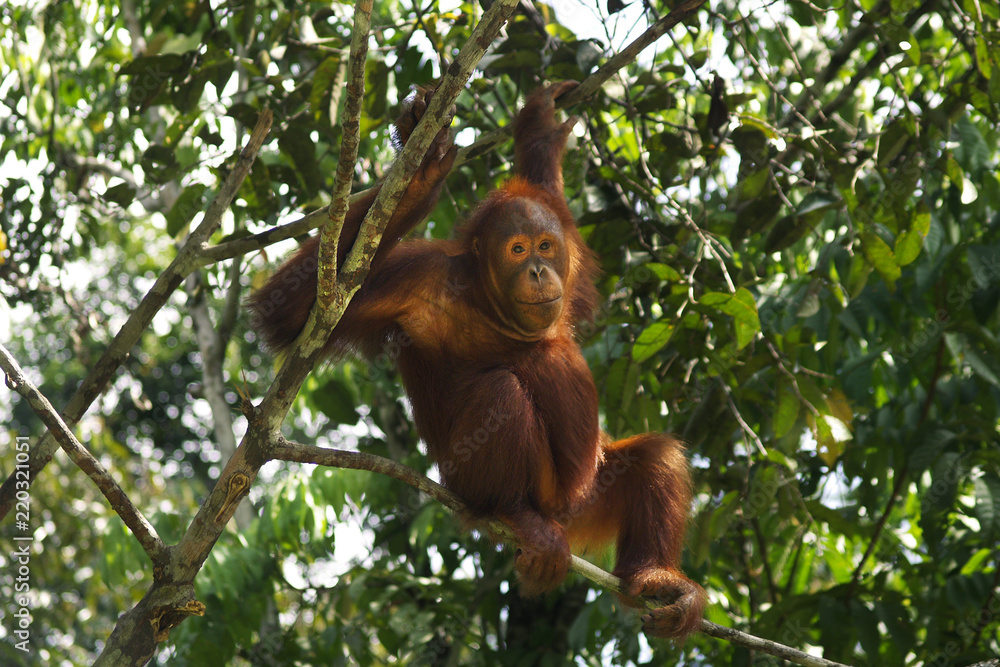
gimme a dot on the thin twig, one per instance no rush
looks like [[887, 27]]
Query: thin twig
[[287, 450], [118, 499], [489, 140], [187, 260], [351, 128]]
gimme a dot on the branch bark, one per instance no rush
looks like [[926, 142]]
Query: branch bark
[[117, 498], [326, 282]]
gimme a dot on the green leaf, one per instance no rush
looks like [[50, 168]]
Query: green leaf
[[881, 257], [977, 562], [186, 96], [972, 151], [376, 89], [670, 143], [908, 245], [715, 299], [652, 340], [336, 400], [987, 493], [422, 526], [753, 185], [788, 409], [322, 82], [744, 309], [588, 55], [983, 57], [857, 278], [579, 631], [301, 150], [190, 203], [752, 134], [724, 516], [902, 7], [921, 220], [122, 194], [981, 366], [763, 491], [786, 232], [662, 272], [154, 67], [929, 445], [740, 306], [893, 140], [517, 60], [954, 172], [818, 201]]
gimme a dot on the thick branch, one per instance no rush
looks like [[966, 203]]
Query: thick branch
[[326, 291], [287, 450], [305, 354], [402, 171], [249, 244], [119, 500], [333, 295]]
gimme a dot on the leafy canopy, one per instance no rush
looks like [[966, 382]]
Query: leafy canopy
[[797, 208]]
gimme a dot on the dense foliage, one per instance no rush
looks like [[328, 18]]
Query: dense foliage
[[797, 207]]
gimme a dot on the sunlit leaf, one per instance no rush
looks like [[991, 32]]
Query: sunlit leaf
[[652, 339]]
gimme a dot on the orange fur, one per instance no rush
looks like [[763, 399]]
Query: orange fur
[[482, 331]]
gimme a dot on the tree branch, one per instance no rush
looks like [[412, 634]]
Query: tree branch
[[490, 140], [430, 124], [327, 291], [169, 600], [248, 244], [154, 300], [187, 260], [117, 498], [286, 450]]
